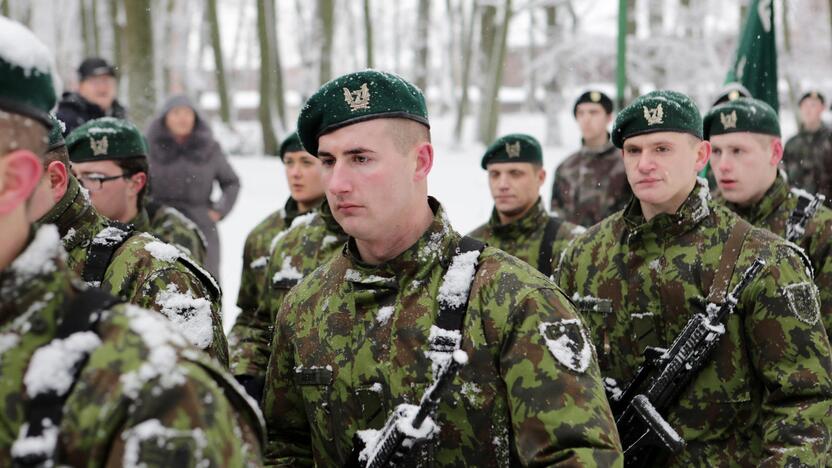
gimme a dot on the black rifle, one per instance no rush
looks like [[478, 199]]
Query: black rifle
[[796, 225], [392, 441], [641, 408]]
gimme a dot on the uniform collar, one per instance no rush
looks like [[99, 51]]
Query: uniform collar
[[290, 211], [758, 212], [527, 224], [74, 215], [414, 264], [693, 211], [329, 219]]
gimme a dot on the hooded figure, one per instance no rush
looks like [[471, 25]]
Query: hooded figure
[[185, 160]]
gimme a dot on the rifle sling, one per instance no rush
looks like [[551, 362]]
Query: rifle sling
[[544, 256], [730, 254]]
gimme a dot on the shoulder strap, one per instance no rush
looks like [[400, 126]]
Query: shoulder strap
[[807, 206], [101, 250], [45, 410], [730, 254], [544, 256], [452, 313]]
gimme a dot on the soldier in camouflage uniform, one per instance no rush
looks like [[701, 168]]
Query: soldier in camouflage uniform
[[125, 389], [590, 184], [303, 174], [310, 241], [765, 397], [116, 175], [519, 223], [745, 136], [141, 270], [807, 156], [351, 339]]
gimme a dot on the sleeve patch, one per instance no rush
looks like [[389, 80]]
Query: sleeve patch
[[803, 302], [568, 343]]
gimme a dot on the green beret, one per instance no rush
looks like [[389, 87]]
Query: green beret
[[742, 115], [290, 144], [104, 139], [56, 134], [596, 97], [516, 147], [26, 83], [657, 111], [356, 97]]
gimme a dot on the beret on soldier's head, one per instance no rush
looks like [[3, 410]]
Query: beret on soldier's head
[[356, 97], [742, 115], [516, 147], [812, 94], [731, 92], [27, 86], [593, 97], [290, 144], [56, 134], [657, 111], [104, 139]]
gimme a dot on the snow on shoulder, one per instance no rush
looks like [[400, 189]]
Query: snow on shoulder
[[457, 281], [190, 315], [39, 256], [162, 251], [21, 47], [53, 366]]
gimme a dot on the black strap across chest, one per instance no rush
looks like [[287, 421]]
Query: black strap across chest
[[101, 249], [544, 256]]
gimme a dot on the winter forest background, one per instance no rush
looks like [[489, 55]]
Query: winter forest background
[[488, 67]]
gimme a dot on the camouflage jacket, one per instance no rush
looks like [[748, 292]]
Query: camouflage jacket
[[256, 253], [144, 396], [590, 185], [146, 272], [350, 344], [523, 237], [772, 213], [807, 158], [766, 397], [171, 226], [310, 241]]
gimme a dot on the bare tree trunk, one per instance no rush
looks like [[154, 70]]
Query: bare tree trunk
[[830, 14], [487, 32], [7, 11], [421, 66], [277, 72], [554, 95], [140, 61], [96, 40], [326, 14], [787, 44], [264, 28], [495, 78], [368, 33], [219, 63], [467, 52], [531, 74], [86, 28]]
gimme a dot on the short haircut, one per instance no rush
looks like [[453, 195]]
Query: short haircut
[[135, 165], [407, 133], [59, 154], [19, 132]]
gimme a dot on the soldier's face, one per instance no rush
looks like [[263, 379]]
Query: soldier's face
[[592, 119], [515, 187], [372, 186], [745, 165], [116, 197], [99, 90], [303, 172], [811, 110], [661, 169]]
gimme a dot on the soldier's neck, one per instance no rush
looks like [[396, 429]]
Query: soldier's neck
[[12, 242], [811, 126], [651, 210], [129, 214], [397, 239], [596, 143], [508, 218], [304, 207]]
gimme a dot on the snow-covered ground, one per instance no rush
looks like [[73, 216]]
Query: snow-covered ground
[[456, 180]]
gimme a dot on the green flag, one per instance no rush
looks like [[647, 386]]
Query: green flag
[[755, 64]]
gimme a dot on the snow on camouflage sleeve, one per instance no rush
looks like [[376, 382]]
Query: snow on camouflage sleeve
[[765, 398], [350, 344], [145, 395], [173, 227], [311, 240], [522, 238]]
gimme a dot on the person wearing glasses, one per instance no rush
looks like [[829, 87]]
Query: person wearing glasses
[[125, 262]]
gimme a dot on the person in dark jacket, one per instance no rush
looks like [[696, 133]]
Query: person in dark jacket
[[95, 98], [185, 161]]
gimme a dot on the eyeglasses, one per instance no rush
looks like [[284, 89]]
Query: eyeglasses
[[95, 182]]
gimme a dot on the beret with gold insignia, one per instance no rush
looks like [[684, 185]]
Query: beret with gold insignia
[[356, 97], [596, 97], [731, 91], [516, 147], [657, 111], [105, 139], [290, 144], [742, 115]]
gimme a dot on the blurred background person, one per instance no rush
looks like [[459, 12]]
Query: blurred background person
[[95, 98], [185, 161]]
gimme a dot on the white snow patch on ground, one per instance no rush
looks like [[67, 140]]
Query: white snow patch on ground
[[190, 315], [162, 251], [52, 367]]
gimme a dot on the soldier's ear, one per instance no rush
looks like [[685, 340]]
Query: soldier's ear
[[20, 173], [703, 153], [58, 179], [776, 151], [424, 161]]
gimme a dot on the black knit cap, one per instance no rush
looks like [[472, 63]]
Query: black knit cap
[[594, 97]]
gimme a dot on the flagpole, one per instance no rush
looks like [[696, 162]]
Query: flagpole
[[621, 72]]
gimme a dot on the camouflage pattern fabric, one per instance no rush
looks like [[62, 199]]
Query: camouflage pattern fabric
[[256, 253], [590, 185], [523, 237], [170, 225], [807, 159], [350, 344], [312, 240], [765, 398], [145, 397], [146, 272], [772, 213]]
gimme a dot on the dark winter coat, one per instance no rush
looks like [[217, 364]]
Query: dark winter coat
[[74, 111], [182, 175]]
